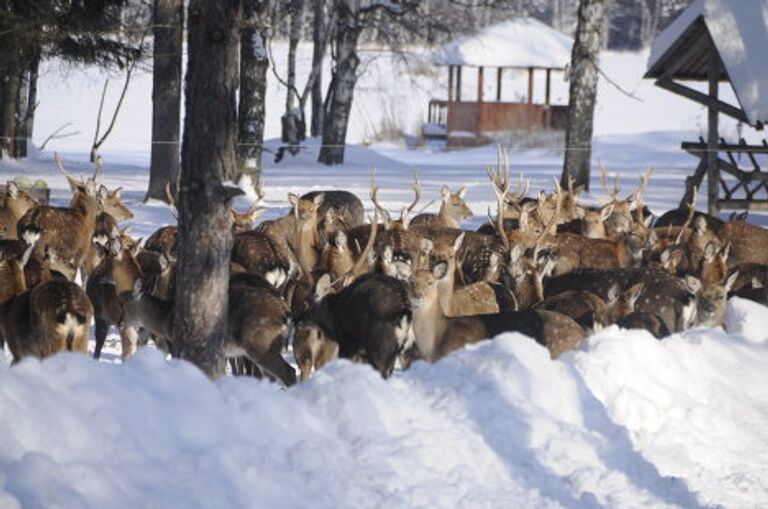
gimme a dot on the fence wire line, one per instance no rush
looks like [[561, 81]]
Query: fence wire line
[[271, 148]]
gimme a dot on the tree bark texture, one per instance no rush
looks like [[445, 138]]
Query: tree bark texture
[[254, 63], [166, 97], [208, 158], [296, 9], [342, 87], [34, 73], [21, 116], [318, 53], [583, 92]]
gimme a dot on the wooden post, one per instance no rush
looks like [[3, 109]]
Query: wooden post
[[713, 174], [530, 85], [479, 84], [450, 83], [498, 84], [458, 84], [549, 81]]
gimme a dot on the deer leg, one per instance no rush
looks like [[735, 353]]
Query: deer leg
[[102, 328], [128, 340]]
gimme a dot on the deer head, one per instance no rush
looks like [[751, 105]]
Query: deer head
[[711, 299], [454, 209]]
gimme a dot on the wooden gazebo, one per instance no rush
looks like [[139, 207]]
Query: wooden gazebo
[[520, 45], [721, 41]]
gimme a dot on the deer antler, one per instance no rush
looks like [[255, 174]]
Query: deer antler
[[417, 197], [691, 212], [97, 170], [375, 199], [60, 165], [604, 183], [501, 194], [352, 273], [552, 221], [171, 201]]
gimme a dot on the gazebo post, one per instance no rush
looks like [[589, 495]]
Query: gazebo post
[[450, 83], [530, 85], [479, 84], [549, 77], [498, 84], [713, 175], [458, 84]]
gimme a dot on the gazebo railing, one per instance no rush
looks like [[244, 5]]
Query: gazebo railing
[[438, 112]]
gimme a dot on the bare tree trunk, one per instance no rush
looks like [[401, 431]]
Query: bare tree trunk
[[583, 92], [296, 9], [34, 73], [254, 63], [342, 87], [166, 97], [208, 158], [22, 103], [318, 53], [10, 93]]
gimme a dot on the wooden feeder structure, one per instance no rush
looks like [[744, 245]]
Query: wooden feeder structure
[[522, 45], [715, 41]]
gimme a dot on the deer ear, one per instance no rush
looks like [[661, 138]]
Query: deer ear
[[12, 189], [693, 284], [440, 270], [445, 192], [462, 192], [457, 242], [387, 255], [726, 251], [323, 287], [293, 199], [138, 288], [710, 251], [116, 193], [613, 293], [515, 253], [634, 293], [494, 260], [606, 212], [731, 281], [319, 199], [340, 241], [103, 192], [664, 256]]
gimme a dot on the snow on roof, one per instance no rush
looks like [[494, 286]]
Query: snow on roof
[[521, 42], [739, 29]]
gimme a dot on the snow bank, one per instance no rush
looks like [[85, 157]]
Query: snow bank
[[628, 422]]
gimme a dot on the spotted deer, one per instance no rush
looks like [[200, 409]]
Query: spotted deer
[[437, 334], [711, 298], [17, 202], [453, 210], [66, 231], [52, 317]]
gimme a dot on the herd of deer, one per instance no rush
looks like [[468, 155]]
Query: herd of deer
[[385, 293]]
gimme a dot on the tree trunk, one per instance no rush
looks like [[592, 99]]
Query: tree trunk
[[318, 53], [10, 94], [254, 63], [34, 72], [168, 32], [292, 120], [22, 103], [342, 87], [583, 92], [207, 159]]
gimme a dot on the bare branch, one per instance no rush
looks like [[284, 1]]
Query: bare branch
[[56, 136]]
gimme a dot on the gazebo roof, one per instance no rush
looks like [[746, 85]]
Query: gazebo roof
[[737, 30], [521, 42]]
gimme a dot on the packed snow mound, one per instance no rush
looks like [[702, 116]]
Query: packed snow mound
[[626, 422], [520, 42], [747, 319]]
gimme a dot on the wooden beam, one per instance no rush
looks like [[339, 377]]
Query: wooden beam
[[549, 80], [450, 83], [498, 84], [743, 204], [479, 84], [713, 171], [706, 100], [701, 44], [694, 146], [530, 85], [458, 84]]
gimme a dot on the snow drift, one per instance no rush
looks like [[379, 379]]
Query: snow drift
[[628, 421]]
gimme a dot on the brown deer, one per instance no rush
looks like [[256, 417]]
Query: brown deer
[[111, 203], [17, 202], [66, 231], [586, 308], [108, 287], [437, 334], [52, 317], [452, 210], [578, 252], [711, 298], [525, 276]]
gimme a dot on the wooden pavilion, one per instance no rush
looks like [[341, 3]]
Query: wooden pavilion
[[520, 45], [718, 41]]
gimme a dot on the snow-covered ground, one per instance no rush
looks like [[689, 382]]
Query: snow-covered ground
[[626, 421]]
